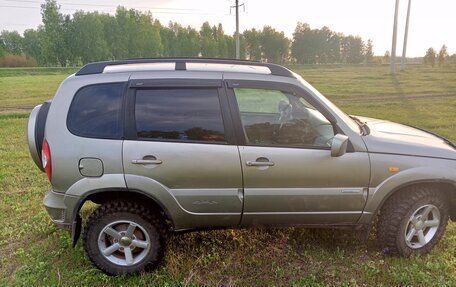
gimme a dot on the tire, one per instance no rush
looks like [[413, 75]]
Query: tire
[[124, 237], [413, 221]]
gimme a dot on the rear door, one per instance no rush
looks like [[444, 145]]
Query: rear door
[[289, 174], [180, 137]]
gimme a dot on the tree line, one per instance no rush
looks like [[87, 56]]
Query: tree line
[[91, 36], [441, 57]]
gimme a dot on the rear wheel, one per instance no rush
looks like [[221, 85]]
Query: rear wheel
[[413, 221], [124, 237]]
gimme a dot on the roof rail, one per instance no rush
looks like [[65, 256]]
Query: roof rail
[[98, 67]]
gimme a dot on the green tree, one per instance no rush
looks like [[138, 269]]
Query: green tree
[[31, 45], [369, 52], [429, 58], [189, 42], [301, 48], [192, 45], [333, 43], [168, 37], [2, 49], [179, 41], [55, 48], [12, 41], [208, 42], [327, 45], [118, 33], [132, 34], [274, 45], [311, 46], [442, 56], [222, 42], [252, 40], [110, 30], [352, 49], [147, 37], [89, 41]]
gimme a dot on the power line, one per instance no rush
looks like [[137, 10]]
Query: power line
[[101, 10], [12, 24], [11, 6], [110, 6]]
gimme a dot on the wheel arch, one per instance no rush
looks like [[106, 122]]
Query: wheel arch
[[101, 196], [402, 227], [448, 187]]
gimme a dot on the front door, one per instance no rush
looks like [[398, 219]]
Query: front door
[[289, 174]]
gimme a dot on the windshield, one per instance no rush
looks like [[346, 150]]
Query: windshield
[[349, 121]]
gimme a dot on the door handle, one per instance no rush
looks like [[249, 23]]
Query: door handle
[[146, 161], [259, 163]]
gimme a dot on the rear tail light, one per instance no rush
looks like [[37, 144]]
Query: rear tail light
[[46, 159]]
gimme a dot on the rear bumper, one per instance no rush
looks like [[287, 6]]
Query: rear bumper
[[61, 209]]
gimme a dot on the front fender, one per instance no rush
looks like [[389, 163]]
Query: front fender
[[379, 194]]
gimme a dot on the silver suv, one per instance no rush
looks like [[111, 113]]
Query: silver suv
[[172, 145]]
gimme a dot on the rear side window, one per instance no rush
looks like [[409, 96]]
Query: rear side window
[[179, 114], [96, 111]]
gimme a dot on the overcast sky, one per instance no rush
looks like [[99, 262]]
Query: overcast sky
[[432, 23]]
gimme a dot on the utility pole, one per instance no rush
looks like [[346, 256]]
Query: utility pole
[[393, 49], [238, 41], [404, 49]]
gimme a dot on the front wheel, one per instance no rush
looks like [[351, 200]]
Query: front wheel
[[413, 221], [124, 237]]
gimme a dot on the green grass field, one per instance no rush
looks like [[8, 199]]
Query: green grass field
[[34, 252]]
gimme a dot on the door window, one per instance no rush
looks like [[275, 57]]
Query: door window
[[179, 114], [272, 117]]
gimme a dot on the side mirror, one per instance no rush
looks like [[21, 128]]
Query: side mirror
[[339, 145]]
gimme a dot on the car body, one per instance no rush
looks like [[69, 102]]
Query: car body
[[214, 143]]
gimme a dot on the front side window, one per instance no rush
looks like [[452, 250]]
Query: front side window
[[96, 111], [272, 117], [179, 114]]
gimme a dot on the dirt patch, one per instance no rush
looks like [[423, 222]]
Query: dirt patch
[[14, 110], [381, 98]]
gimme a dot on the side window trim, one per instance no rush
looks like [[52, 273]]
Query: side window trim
[[268, 85], [174, 83], [129, 115], [235, 116], [130, 121]]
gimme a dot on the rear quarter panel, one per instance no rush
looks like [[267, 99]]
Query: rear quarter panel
[[66, 148]]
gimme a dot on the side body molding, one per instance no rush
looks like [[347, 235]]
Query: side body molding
[[181, 218]]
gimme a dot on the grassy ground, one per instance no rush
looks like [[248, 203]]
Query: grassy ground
[[34, 252], [22, 89]]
